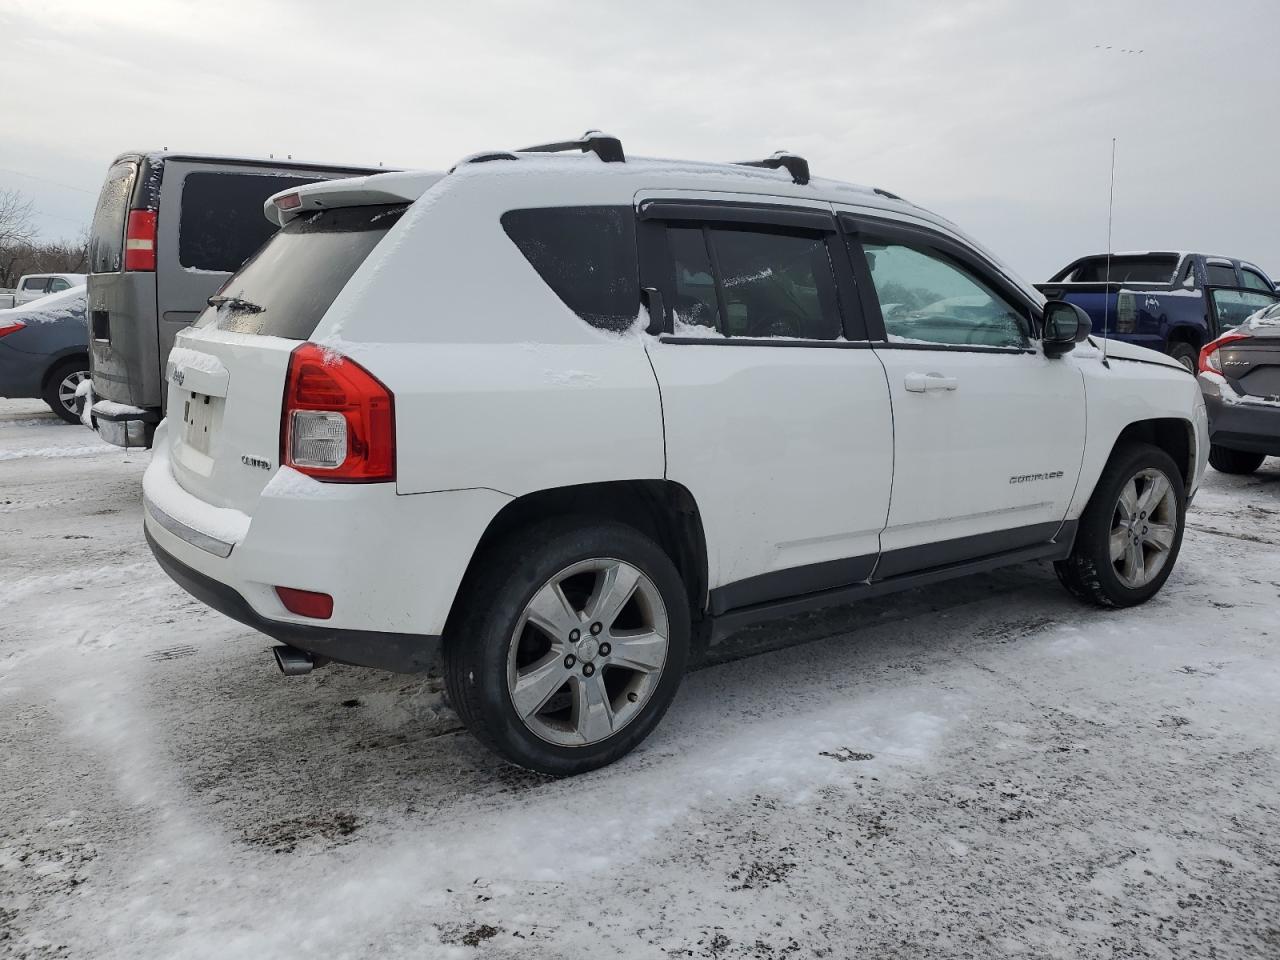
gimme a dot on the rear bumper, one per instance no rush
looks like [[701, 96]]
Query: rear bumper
[[392, 563], [1240, 425], [398, 652]]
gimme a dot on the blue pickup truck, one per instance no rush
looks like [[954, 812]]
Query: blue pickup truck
[[1171, 302]]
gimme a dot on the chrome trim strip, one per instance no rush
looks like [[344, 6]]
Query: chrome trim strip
[[219, 548]]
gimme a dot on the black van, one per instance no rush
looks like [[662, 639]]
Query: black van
[[168, 230]]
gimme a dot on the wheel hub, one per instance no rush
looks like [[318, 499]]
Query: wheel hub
[[588, 650]]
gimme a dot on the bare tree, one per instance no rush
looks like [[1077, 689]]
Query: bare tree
[[15, 219], [22, 252]]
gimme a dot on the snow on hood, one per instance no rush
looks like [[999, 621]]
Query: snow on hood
[[65, 305], [1126, 351]]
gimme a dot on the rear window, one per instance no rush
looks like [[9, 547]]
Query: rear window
[[222, 223], [106, 236], [587, 255], [287, 286], [1145, 269]]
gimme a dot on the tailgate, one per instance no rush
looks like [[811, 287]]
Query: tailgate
[[225, 393]]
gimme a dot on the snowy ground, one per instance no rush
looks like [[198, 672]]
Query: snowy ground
[[982, 770]]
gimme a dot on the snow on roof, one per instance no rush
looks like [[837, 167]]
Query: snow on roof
[[162, 155]]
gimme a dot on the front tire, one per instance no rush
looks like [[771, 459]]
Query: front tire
[[570, 645], [1234, 461], [1131, 531]]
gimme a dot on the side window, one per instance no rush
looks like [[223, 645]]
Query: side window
[[1221, 275], [59, 285], [927, 299], [1254, 280], [753, 282], [586, 255], [222, 222], [695, 283], [1188, 275], [34, 284]]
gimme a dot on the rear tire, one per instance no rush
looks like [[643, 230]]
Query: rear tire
[[553, 624], [1185, 354], [1131, 531], [60, 388], [1234, 461]]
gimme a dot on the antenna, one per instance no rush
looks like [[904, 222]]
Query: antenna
[[1106, 301]]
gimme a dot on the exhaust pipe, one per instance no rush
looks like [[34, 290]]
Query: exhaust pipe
[[292, 661]]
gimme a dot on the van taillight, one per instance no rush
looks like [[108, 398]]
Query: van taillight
[[338, 420], [140, 241]]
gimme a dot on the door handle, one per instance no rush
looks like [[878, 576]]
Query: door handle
[[929, 382]]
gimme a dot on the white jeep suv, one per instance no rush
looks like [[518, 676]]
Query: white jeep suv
[[557, 421]]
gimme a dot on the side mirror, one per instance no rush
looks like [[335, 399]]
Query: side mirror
[[1064, 326]]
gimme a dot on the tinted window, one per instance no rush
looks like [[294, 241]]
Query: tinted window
[[35, 283], [1221, 275], [1144, 269], [926, 299], [106, 236], [587, 255], [222, 222], [753, 282], [1233, 307], [1255, 281], [695, 286], [288, 285], [58, 285]]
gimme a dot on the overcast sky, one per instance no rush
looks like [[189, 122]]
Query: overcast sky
[[995, 113]]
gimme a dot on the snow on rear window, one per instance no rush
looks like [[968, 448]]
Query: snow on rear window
[[106, 236]]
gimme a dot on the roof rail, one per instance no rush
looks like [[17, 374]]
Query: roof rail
[[607, 148], [798, 167], [886, 193]]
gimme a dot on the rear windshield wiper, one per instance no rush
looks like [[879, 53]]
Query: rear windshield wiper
[[235, 303]]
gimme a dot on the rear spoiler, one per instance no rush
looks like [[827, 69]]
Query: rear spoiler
[[402, 187]]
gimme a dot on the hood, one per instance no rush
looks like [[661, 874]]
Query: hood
[[1127, 351]]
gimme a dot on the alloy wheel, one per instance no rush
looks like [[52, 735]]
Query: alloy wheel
[[587, 652], [1144, 526], [67, 389]]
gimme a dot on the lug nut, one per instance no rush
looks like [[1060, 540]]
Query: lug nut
[[574, 636], [569, 661], [632, 697], [588, 669], [595, 629], [604, 649]]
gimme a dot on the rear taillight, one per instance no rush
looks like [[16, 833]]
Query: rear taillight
[[10, 326], [338, 422], [1210, 362], [290, 201], [1126, 312], [306, 603], [140, 241]]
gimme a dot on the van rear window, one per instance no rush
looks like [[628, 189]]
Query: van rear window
[[106, 236], [286, 287], [587, 255], [222, 221], [1144, 269]]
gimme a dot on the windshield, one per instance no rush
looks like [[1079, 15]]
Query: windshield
[[1144, 269], [285, 288]]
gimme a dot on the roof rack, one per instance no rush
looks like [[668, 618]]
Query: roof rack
[[798, 167], [607, 148], [886, 193]]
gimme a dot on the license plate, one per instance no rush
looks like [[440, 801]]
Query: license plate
[[197, 414]]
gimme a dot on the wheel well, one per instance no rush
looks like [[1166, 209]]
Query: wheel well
[[1189, 335], [662, 510], [1170, 434], [49, 371]]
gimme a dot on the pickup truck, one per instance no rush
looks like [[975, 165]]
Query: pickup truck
[[1171, 302]]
